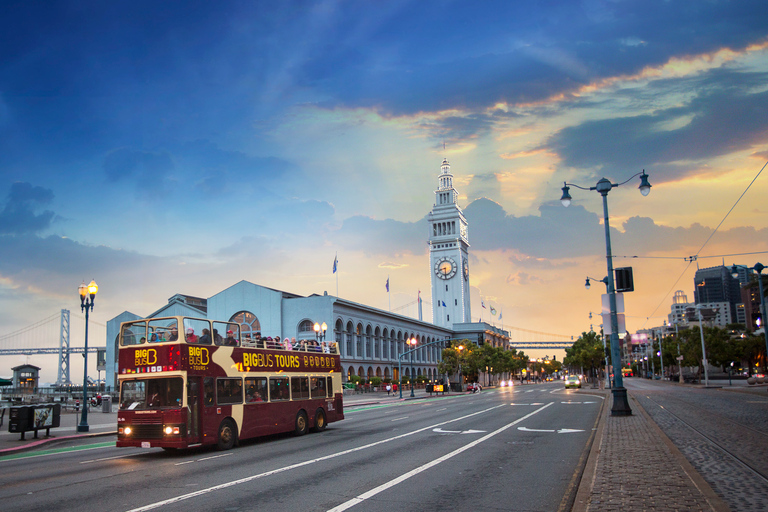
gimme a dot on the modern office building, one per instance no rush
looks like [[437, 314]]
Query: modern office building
[[715, 285]]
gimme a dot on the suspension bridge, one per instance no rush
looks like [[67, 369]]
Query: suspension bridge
[[51, 336]]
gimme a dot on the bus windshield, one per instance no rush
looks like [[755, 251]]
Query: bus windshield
[[151, 393]]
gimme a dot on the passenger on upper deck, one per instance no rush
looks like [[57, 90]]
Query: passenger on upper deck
[[217, 339], [191, 337], [205, 339], [230, 341], [153, 338], [174, 334]]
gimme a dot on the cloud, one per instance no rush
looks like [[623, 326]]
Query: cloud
[[382, 236], [18, 216], [721, 119]]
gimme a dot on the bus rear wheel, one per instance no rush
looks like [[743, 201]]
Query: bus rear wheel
[[227, 435], [320, 422], [302, 423]]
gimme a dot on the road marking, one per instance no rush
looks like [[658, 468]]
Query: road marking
[[524, 429], [577, 402], [443, 409], [561, 431], [204, 458], [534, 403], [441, 431], [373, 492], [226, 485], [105, 458], [398, 419]]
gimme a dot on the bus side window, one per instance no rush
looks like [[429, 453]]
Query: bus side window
[[208, 392]]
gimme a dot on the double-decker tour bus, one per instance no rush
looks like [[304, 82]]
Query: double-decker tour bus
[[188, 382]]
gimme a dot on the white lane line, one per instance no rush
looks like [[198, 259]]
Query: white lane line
[[398, 419], [215, 456], [373, 492], [105, 458], [201, 492]]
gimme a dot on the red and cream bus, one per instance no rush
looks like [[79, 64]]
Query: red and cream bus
[[189, 382]]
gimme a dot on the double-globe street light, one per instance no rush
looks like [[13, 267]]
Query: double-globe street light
[[320, 331], [87, 298], [758, 268], [620, 402]]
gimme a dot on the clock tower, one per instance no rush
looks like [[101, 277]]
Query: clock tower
[[448, 254]]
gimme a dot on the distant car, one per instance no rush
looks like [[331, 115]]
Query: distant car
[[572, 381], [474, 387]]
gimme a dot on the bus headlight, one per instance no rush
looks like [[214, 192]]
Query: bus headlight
[[124, 430], [171, 430]]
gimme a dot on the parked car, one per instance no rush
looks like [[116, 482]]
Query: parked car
[[573, 381]]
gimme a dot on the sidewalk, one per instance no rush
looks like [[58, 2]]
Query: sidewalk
[[633, 467]]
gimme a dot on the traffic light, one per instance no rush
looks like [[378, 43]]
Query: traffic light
[[624, 280]]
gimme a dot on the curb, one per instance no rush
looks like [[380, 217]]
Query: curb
[[587, 477]]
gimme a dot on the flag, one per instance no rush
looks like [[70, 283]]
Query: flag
[[387, 285], [444, 305], [482, 303], [493, 310], [335, 263], [419, 297], [500, 315]]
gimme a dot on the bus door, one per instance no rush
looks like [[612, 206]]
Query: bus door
[[193, 409]]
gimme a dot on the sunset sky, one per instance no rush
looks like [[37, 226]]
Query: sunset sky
[[180, 147]]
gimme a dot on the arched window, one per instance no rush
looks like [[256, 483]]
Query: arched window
[[337, 330], [249, 324], [359, 340], [368, 341], [350, 330], [306, 328]]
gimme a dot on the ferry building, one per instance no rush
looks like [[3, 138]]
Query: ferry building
[[370, 340]]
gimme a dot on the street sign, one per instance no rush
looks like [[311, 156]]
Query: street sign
[[607, 304], [607, 323]]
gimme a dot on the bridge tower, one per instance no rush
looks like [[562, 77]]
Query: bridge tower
[[63, 377]]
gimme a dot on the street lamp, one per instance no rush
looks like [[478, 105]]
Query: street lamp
[[587, 286], [758, 268], [620, 402], [458, 365], [703, 348], [412, 342], [87, 298], [320, 331]]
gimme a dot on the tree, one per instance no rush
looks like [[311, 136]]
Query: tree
[[586, 352]]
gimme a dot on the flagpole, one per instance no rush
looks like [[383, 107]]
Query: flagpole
[[389, 294]]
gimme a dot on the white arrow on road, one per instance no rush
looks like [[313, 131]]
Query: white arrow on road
[[532, 430], [561, 431], [441, 431]]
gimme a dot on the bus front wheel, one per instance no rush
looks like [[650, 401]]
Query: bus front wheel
[[320, 422], [302, 423], [227, 435]]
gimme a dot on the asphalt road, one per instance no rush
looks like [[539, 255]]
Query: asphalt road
[[501, 449]]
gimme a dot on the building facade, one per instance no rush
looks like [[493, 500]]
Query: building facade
[[372, 342]]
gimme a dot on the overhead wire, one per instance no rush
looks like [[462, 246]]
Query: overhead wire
[[693, 258]]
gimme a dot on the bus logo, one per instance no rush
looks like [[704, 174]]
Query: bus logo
[[145, 357], [198, 356]]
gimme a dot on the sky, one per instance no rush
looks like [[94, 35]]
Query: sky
[[181, 147]]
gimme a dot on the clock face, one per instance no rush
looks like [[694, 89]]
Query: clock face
[[445, 268], [466, 270]]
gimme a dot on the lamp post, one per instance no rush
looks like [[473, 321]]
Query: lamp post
[[703, 348], [758, 268], [87, 298], [607, 373], [320, 331], [458, 367], [620, 403], [412, 342]]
